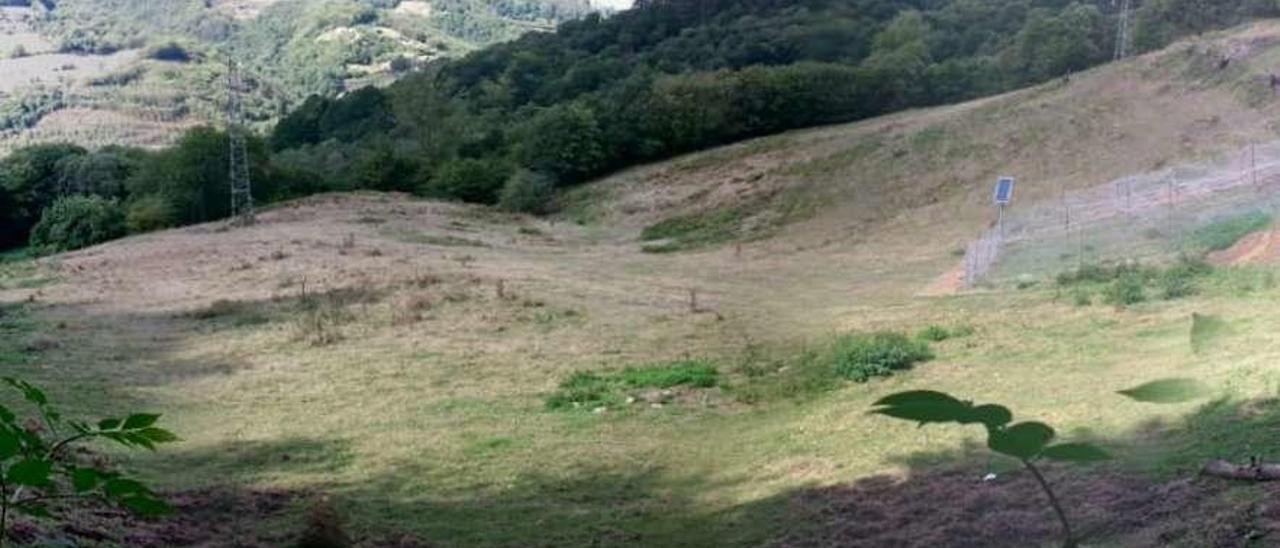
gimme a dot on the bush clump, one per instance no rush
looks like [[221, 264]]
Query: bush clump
[[475, 180], [170, 51], [150, 212], [74, 222], [860, 357], [1126, 290], [1127, 283], [526, 192]]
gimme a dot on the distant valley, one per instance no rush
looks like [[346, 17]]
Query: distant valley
[[140, 72]]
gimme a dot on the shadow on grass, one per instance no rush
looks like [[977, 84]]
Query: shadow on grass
[[602, 507], [1151, 495], [252, 462]]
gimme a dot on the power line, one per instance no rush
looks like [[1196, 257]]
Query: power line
[[241, 186]]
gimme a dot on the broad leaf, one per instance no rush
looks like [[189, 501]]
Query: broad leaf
[[29, 391], [1168, 391], [10, 445], [109, 424], [136, 438], [1024, 440], [146, 506], [30, 472], [84, 479], [117, 487], [140, 420], [990, 415], [6, 415], [1075, 452], [158, 435]]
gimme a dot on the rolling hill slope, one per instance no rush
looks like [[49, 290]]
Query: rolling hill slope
[[399, 355]]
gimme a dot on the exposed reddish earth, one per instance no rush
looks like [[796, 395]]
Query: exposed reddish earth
[[1259, 247]]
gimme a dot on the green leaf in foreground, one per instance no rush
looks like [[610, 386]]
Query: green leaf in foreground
[[1167, 391], [140, 420], [30, 472], [990, 415], [1024, 440], [146, 506]]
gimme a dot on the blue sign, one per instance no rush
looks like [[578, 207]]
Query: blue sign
[[1004, 191]]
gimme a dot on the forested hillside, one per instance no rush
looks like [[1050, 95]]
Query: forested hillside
[[674, 76]]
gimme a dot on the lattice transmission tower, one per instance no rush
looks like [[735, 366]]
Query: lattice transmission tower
[[1124, 34], [241, 186]]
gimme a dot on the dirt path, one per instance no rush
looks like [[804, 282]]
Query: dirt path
[[949, 283]]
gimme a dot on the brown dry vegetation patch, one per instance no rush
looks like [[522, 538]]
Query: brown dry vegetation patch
[[957, 508]]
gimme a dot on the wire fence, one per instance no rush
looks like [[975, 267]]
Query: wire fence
[[1147, 218]]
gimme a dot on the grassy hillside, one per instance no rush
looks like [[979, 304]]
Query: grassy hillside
[[162, 62], [417, 361]]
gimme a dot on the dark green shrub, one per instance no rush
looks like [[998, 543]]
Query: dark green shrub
[[860, 357], [1081, 297], [151, 212], [526, 192], [78, 221], [1124, 291], [475, 180], [171, 51]]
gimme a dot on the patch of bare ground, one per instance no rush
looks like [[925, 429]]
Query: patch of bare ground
[[1258, 247], [958, 508], [949, 283]]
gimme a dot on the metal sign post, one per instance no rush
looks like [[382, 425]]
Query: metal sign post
[[1004, 195]]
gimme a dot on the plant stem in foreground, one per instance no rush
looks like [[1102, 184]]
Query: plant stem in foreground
[[1069, 541]]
